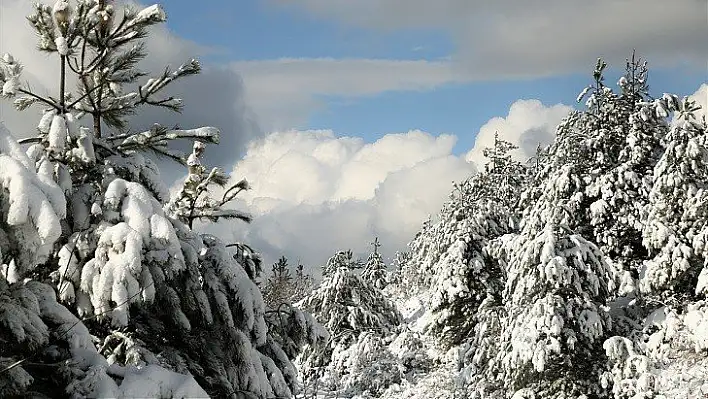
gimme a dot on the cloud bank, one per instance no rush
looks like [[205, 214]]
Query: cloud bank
[[314, 193], [528, 124]]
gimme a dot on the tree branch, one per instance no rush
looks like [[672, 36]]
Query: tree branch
[[40, 98]]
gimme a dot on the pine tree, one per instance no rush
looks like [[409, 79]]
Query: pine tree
[[509, 175], [555, 298], [618, 196], [347, 306], [280, 286], [374, 271], [192, 204], [591, 186], [341, 259], [449, 258], [676, 228], [304, 283], [161, 299]]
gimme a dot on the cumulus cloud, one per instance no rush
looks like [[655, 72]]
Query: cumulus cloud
[[528, 124], [701, 98], [314, 193], [214, 98]]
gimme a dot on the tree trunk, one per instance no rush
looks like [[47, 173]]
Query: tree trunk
[[62, 85]]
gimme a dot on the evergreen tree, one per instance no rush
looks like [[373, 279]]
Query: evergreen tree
[[280, 286], [676, 227], [303, 283], [508, 175], [618, 195], [192, 204], [449, 258], [160, 299], [557, 281], [341, 259], [555, 298], [374, 271], [603, 265], [347, 306]]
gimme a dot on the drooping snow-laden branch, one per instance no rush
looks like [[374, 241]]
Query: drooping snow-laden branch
[[68, 330]]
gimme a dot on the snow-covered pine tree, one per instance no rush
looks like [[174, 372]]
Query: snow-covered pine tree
[[347, 306], [374, 271], [366, 368], [558, 282], [156, 295], [509, 175], [46, 348], [618, 195], [30, 212], [651, 359], [340, 259], [279, 288], [448, 259], [676, 227], [555, 296]]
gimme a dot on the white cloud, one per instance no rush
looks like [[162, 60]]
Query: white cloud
[[214, 98], [701, 98], [314, 193], [528, 124]]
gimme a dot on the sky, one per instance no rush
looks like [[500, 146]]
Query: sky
[[351, 119]]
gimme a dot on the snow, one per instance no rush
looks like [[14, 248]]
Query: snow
[[57, 133], [62, 45], [60, 6], [193, 160], [9, 147], [153, 13], [156, 382], [30, 325], [10, 87], [84, 147], [31, 200]]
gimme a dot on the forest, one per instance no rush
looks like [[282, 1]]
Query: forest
[[580, 274]]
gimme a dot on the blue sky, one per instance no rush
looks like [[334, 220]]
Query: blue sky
[[252, 30]]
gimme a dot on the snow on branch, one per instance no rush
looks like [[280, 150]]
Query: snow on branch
[[158, 138]]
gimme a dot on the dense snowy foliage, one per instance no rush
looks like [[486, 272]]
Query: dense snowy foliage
[[449, 259], [374, 271], [581, 274], [355, 313], [105, 289]]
